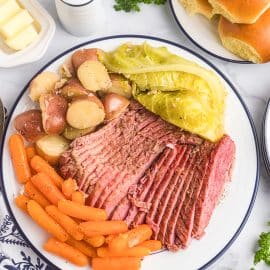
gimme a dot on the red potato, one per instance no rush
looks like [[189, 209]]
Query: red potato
[[43, 83], [67, 69], [29, 125], [93, 76], [73, 89], [114, 105], [120, 86], [54, 108], [85, 112], [50, 147], [80, 56]]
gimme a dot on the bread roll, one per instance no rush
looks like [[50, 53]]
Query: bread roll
[[249, 41], [240, 11], [198, 6]]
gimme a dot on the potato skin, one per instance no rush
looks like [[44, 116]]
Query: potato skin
[[54, 108], [114, 105], [72, 89], [43, 83], [80, 56], [29, 125]]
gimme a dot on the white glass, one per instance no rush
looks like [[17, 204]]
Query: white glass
[[81, 17]]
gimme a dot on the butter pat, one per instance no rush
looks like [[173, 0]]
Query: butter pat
[[8, 9], [23, 38], [16, 24]]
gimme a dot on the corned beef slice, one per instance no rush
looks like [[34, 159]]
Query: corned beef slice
[[140, 169]]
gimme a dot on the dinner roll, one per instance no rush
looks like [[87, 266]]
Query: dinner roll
[[198, 6], [249, 41], [240, 11]]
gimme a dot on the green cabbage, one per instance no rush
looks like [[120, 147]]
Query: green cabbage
[[180, 91]]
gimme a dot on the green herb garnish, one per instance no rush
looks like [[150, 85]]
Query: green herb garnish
[[263, 253], [133, 5]]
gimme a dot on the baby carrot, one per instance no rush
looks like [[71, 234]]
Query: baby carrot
[[47, 187], [119, 242], [39, 215], [30, 152], [78, 197], [19, 158], [41, 165], [139, 234], [109, 238], [82, 247], [153, 245], [128, 252], [93, 228], [122, 263], [95, 241], [21, 201], [66, 251], [68, 187], [81, 211], [35, 194], [71, 227]]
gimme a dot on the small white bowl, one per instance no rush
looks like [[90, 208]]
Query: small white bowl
[[35, 50]]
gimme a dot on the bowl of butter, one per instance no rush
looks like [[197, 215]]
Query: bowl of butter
[[26, 30]]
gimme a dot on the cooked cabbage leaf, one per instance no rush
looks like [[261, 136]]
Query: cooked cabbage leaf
[[180, 91]]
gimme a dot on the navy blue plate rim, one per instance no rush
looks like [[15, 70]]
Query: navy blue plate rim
[[200, 46], [236, 234]]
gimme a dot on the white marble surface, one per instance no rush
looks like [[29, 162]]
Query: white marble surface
[[252, 82]]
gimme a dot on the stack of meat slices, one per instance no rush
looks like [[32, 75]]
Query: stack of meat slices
[[141, 169]]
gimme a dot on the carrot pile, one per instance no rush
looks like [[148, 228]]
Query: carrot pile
[[79, 233]]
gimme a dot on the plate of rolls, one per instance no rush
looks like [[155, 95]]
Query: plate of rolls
[[235, 31]]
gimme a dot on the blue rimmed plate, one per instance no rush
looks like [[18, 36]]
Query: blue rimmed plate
[[266, 138], [202, 32], [238, 198]]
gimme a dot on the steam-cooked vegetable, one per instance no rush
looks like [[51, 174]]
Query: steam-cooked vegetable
[[120, 85], [72, 133], [54, 108], [193, 111], [43, 83], [29, 125], [50, 147], [73, 89], [114, 105], [83, 55], [85, 112], [94, 76], [67, 70], [198, 103]]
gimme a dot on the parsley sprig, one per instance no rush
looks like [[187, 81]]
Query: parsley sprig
[[263, 253], [133, 5]]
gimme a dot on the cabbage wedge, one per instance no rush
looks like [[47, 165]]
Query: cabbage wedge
[[180, 91]]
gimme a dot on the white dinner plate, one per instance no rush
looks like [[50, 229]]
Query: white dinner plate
[[202, 32], [236, 203], [266, 138]]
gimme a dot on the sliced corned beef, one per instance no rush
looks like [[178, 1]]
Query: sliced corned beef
[[141, 169], [218, 172]]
